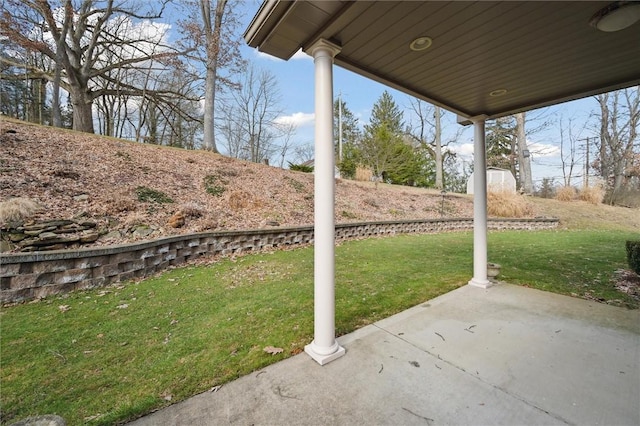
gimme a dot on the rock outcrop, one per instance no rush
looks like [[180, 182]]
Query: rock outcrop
[[48, 235]]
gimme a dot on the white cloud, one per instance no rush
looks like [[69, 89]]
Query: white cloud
[[538, 150], [465, 150], [543, 150], [298, 119], [299, 55]]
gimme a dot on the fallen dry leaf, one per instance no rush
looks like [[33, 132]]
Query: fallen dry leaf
[[64, 308], [273, 350]]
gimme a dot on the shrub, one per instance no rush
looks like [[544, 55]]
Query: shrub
[[566, 193], [133, 220], [297, 185], [347, 168], [546, 189], [193, 210], [239, 200], [593, 195], [508, 204], [16, 209], [151, 195], [348, 215], [214, 185], [633, 255], [363, 174], [120, 203], [300, 168]]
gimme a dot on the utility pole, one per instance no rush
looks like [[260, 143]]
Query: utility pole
[[585, 181], [586, 175], [524, 156], [340, 127]]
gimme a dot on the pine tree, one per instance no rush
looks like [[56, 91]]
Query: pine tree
[[347, 154], [386, 113], [384, 148], [500, 141]]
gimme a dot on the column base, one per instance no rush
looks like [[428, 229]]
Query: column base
[[321, 358], [480, 283]]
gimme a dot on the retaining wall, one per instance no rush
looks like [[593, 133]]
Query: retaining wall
[[27, 276]]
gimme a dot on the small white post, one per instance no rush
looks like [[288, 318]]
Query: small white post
[[324, 347], [479, 206]]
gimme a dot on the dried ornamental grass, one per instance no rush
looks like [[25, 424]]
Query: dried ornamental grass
[[15, 209], [566, 193], [363, 174], [593, 195], [508, 204]]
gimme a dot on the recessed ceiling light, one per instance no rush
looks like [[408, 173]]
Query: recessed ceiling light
[[421, 43], [616, 16], [498, 92]]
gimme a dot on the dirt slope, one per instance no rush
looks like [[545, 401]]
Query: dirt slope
[[104, 179]]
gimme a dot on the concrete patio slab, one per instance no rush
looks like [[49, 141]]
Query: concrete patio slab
[[504, 355]]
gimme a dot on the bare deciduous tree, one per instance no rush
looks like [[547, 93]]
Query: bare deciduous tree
[[249, 122], [210, 30], [79, 37], [568, 151], [427, 131], [619, 127]]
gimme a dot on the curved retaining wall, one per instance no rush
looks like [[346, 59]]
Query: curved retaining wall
[[40, 274]]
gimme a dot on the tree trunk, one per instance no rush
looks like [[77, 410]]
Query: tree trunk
[[526, 180], [438, 148], [212, 31], [55, 103], [209, 140], [82, 110]]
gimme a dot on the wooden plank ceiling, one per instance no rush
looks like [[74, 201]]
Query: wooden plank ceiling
[[541, 53]]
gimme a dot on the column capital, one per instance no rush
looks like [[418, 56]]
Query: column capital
[[323, 44], [478, 118]]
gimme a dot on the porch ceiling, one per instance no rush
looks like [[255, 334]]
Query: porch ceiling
[[541, 53]]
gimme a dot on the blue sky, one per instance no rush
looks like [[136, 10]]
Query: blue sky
[[296, 85]]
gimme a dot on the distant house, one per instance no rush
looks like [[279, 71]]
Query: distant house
[[312, 162], [497, 180]]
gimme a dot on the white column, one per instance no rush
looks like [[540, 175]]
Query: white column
[[479, 206], [324, 347]]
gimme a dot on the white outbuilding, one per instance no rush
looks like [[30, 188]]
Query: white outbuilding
[[498, 180]]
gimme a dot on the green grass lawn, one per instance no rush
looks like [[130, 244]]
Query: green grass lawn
[[110, 355]]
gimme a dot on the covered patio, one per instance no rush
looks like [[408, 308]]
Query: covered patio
[[480, 60], [507, 355], [477, 355]]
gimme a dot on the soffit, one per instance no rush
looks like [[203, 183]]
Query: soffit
[[542, 53]]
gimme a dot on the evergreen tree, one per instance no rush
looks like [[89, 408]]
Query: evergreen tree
[[500, 140], [382, 145], [386, 113], [347, 155]]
